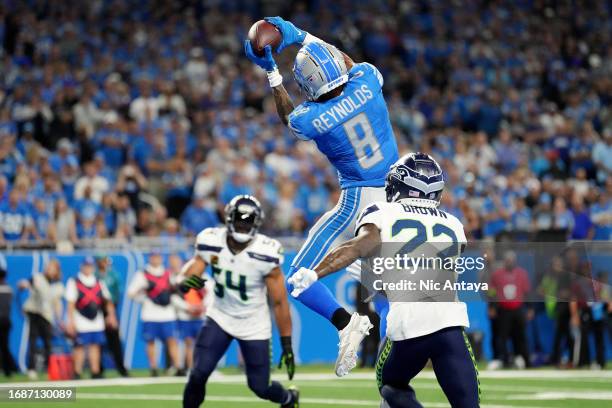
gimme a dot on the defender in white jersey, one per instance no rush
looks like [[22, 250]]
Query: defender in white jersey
[[417, 331], [245, 266]]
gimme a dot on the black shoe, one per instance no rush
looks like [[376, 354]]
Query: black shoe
[[154, 372], [181, 372], [97, 376], [124, 373], [76, 376], [295, 398]]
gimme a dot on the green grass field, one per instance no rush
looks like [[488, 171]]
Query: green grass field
[[321, 389]]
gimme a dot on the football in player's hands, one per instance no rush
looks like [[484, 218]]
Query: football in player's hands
[[263, 33]]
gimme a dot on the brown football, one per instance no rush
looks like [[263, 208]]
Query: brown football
[[263, 33]]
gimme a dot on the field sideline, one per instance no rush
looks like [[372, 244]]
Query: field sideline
[[321, 389]]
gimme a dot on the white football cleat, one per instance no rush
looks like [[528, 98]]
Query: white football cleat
[[350, 338]]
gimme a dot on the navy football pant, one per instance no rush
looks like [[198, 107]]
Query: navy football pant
[[211, 345], [451, 356]]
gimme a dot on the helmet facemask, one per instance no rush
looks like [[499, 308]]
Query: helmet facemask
[[243, 218]]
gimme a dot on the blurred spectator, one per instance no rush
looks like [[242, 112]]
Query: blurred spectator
[[87, 297], [126, 217], [145, 108], [15, 218], [582, 225], [43, 310], [511, 286], [106, 274], [42, 221], [152, 287], [65, 222], [557, 283], [597, 319], [190, 310], [131, 182], [6, 298], [199, 215], [601, 214], [96, 184]]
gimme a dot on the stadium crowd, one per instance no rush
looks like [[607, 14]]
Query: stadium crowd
[[123, 118]]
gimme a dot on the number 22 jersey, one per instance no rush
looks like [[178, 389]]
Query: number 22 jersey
[[241, 298], [418, 227]]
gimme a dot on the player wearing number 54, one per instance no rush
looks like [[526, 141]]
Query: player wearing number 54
[[345, 114]]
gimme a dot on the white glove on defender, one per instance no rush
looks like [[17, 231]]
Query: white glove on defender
[[302, 280]]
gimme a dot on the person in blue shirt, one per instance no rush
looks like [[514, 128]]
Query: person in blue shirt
[[601, 215], [313, 198], [41, 220], [86, 208], [49, 191], [237, 185], [198, 216], [15, 218], [521, 218], [111, 142], [583, 226], [346, 116]]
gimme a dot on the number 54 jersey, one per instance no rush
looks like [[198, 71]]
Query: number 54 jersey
[[417, 232], [241, 302], [353, 129]]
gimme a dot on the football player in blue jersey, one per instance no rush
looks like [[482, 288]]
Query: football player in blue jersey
[[345, 114]]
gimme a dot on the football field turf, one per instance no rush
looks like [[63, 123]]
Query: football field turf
[[321, 389]]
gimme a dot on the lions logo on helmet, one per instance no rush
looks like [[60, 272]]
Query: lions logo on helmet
[[416, 177], [243, 217], [318, 69]]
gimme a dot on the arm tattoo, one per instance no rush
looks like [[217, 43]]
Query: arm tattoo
[[284, 104]]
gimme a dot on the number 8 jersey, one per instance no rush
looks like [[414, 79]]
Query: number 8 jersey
[[241, 303], [353, 129]]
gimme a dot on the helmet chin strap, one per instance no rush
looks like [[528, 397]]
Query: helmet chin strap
[[419, 202]]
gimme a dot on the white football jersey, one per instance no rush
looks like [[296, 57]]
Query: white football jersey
[[406, 224], [241, 298]]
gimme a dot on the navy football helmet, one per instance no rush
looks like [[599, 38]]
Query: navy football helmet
[[416, 178], [243, 217]]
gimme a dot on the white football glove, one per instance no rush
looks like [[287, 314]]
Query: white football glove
[[302, 280]]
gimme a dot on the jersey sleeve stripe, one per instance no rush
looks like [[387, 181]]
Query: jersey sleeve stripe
[[356, 196], [320, 233], [210, 248]]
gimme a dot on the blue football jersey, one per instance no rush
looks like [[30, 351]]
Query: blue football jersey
[[353, 129]]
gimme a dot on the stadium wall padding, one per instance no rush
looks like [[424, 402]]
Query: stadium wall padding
[[315, 340]]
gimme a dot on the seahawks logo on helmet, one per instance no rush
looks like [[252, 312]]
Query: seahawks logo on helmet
[[243, 217], [416, 177]]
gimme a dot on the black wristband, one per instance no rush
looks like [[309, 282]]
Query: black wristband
[[286, 342]]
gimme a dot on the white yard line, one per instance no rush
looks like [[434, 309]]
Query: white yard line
[[543, 375], [218, 398], [564, 395]]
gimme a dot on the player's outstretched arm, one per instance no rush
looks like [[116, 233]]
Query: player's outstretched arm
[[291, 35], [363, 245], [284, 104], [275, 283]]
